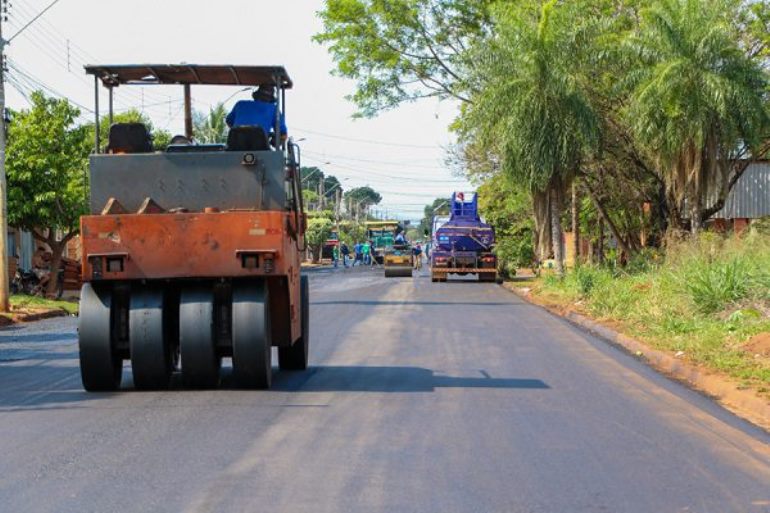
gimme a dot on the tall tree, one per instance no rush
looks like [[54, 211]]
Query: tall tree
[[698, 103], [46, 167], [211, 128], [361, 198], [535, 104], [403, 50]]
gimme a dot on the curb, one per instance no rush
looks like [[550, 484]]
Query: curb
[[39, 316], [742, 402]]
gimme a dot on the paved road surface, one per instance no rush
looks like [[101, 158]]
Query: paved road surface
[[423, 397]]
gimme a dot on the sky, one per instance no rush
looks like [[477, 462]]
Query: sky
[[400, 153]]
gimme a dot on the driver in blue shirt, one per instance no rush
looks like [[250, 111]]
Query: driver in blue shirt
[[258, 112]]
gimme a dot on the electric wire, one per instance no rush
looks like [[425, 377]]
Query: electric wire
[[368, 141]]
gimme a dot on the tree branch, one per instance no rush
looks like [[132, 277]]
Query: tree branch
[[613, 228]]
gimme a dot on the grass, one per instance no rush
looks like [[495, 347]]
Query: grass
[[22, 301], [705, 298]]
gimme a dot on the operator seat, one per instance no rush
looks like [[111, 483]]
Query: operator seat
[[247, 138], [129, 138]]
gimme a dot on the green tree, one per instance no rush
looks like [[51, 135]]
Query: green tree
[[318, 231], [535, 104], [211, 128], [311, 179], [698, 102], [507, 206], [439, 207], [403, 50], [160, 138], [47, 158], [309, 198], [361, 198]]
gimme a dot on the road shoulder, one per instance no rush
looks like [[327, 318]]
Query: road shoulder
[[741, 401]]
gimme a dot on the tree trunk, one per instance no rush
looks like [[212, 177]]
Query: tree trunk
[[556, 231], [575, 225], [56, 258], [695, 212], [613, 229], [541, 206], [600, 240], [57, 250], [316, 253]]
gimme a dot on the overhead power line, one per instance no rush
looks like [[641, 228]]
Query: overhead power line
[[367, 173], [367, 141], [33, 20], [401, 164], [35, 81]]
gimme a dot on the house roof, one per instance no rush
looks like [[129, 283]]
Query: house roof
[[750, 197]]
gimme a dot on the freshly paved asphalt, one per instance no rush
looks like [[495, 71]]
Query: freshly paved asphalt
[[422, 397]]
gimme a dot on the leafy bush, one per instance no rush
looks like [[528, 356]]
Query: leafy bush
[[513, 253], [705, 298], [318, 230], [714, 286]]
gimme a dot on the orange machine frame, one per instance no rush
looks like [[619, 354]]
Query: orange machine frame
[[206, 245]]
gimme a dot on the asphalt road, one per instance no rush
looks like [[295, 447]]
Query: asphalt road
[[422, 397]]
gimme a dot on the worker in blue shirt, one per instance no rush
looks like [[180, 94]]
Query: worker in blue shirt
[[258, 112]]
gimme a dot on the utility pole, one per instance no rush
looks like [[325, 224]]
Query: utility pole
[[4, 282], [337, 207], [321, 193]]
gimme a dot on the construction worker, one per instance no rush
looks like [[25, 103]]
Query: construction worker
[[260, 111], [345, 250], [417, 256], [335, 255], [358, 250]]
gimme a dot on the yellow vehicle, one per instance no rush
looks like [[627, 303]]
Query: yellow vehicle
[[395, 258], [381, 234], [398, 261]]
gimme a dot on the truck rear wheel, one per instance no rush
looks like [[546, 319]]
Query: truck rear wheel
[[150, 339], [252, 347], [438, 277], [101, 366], [296, 356], [197, 343]]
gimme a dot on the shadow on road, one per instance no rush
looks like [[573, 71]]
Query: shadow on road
[[35, 337], [416, 303], [390, 379], [42, 386]]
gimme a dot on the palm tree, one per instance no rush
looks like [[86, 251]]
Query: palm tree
[[535, 105], [698, 101], [211, 128]]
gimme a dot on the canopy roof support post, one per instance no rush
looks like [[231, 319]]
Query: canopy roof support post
[[111, 104], [188, 124], [283, 106], [97, 142]]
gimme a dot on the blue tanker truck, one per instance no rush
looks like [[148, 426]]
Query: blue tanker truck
[[463, 244]]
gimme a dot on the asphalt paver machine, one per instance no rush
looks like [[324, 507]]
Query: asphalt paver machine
[[191, 253]]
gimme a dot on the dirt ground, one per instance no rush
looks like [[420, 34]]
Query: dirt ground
[[759, 345]]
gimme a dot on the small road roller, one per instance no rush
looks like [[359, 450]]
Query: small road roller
[[398, 261], [191, 253]]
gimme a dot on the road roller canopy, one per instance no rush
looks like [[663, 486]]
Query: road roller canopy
[[113, 75]]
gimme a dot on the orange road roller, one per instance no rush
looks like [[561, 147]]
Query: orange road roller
[[191, 252]]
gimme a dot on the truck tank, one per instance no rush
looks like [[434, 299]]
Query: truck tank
[[464, 244]]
